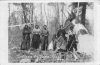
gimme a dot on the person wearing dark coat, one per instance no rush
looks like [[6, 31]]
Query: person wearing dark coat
[[36, 37], [62, 32], [72, 43], [26, 38]]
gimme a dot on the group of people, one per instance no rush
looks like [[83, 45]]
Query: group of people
[[73, 38], [38, 39], [64, 41], [33, 38]]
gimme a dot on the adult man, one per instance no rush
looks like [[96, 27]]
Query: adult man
[[45, 34], [26, 38]]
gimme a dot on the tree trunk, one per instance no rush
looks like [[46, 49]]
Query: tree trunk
[[83, 13], [32, 12], [24, 12]]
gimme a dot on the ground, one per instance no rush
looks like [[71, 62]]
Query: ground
[[16, 55]]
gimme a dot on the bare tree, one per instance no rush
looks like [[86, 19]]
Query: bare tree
[[83, 13], [24, 11]]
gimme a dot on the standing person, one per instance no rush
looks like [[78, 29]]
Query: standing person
[[45, 34], [26, 38], [36, 37]]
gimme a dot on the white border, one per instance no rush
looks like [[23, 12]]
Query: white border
[[4, 31]]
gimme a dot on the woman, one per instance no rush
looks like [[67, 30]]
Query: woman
[[26, 38], [36, 37]]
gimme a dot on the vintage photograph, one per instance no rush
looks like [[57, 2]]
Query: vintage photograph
[[51, 32]]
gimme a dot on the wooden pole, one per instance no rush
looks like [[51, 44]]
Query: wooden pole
[[78, 10], [64, 13]]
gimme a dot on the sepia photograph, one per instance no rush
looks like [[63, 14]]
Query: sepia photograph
[[51, 32]]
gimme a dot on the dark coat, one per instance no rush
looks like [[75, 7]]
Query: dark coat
[[26, 39]]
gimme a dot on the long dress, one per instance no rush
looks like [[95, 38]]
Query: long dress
[[36, 38], [61, 44], [26, 39]]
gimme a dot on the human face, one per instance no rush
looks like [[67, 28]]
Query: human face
[[36, 26], [45, 27], [26, 26], [61, 27]]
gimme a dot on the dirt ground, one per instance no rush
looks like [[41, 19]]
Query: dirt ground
[[16, 55]]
